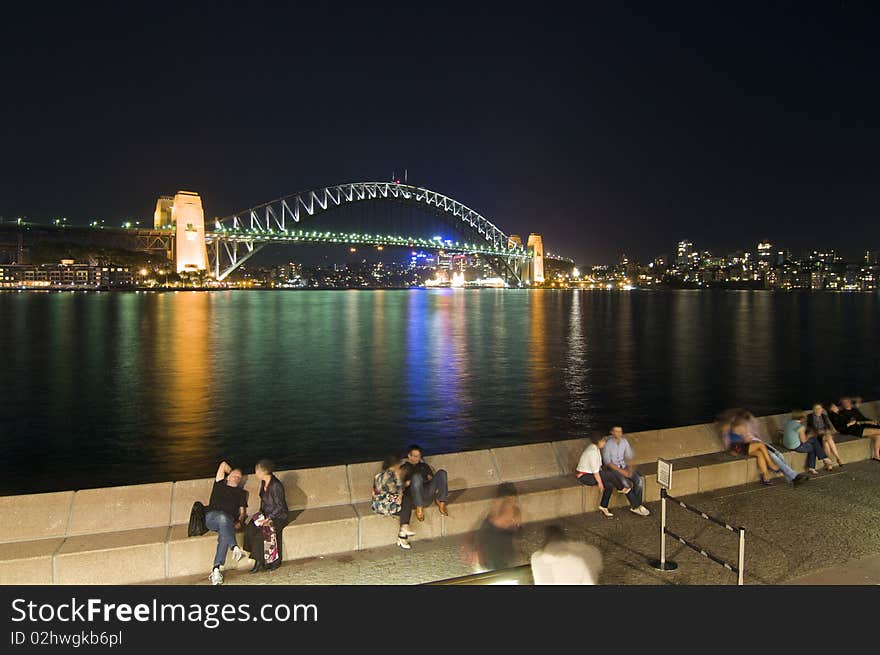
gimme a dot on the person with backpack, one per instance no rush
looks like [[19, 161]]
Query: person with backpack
[[225, 513]]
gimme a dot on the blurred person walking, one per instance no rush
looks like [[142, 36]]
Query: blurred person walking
[[565, 562]]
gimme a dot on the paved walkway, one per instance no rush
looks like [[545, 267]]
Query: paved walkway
[[825, 531]]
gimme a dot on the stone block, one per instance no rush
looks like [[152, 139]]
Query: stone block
[[474, 468], [647, 446], [315, 487], [723, 474], [550, 498], [321, 531], [127, 557], [687, 441], [360, 477], [591, 498], [34, 516], [121, 508], [377, 530], [185, 493], [568, 453], [467, 509], [527, 462], [28, 562], [854, 449], [190, 555]]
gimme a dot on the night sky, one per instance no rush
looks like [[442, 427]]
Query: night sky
[[621, 127]]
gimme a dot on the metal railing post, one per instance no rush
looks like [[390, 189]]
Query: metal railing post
[[662, 529], [742, 556]]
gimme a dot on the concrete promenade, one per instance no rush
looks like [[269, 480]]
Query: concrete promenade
[[138, 534], [823, 532]]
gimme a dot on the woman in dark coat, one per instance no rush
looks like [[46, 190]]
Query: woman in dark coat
[[263, 533]]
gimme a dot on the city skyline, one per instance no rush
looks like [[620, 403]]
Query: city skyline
[[586, 126]]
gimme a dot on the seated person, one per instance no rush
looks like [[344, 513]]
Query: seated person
[[617, 455], [740, 441], [819, 422], [426, 484], [859, 425], [590, 472], [797, 438], [225, 513]]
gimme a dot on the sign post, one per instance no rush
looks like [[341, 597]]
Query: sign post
[[664, 481]]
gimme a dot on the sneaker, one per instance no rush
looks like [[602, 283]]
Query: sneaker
[[605, 511], [237, 553], [813, 471], [641, 510], [403, 542], [216, 577], [625, 490], [800, 477]]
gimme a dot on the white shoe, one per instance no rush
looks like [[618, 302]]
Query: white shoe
[[813, 471], [216, 577], [403, 543], [237, 553], [605, 511], [641, 510], [625, 490], [406, 533]]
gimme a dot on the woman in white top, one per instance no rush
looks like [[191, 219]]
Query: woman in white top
[[590, 472]]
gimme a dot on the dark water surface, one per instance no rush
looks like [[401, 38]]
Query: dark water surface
[[122, 388]]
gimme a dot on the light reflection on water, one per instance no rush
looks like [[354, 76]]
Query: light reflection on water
[[120, 388]]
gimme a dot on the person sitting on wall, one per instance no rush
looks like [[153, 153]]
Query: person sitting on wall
[[753, 429], [225, 513], [739, 441], [391, 499], [590, 472], [819, 421], [426, 485], [617, 455], [798, 438], [263, 533], [859, 425]]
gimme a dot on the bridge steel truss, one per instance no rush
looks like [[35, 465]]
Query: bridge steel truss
[[238, 237]]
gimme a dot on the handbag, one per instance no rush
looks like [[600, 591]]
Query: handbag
[[197, 525]]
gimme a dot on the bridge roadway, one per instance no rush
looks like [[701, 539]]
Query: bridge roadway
[[824, 532], [160, 240]]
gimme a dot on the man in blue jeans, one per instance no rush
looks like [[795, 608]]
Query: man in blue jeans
[[225, 513], [617, 456], [800, 439], [426, 485]]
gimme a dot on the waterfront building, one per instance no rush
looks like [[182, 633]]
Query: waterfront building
[[65, 275]]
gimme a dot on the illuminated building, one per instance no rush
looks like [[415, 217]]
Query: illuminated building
[[536, 245], [162, 218], [190, 252]]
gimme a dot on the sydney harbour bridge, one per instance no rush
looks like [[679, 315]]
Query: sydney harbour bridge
[[309, 217]]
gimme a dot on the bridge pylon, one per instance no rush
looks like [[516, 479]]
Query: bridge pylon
[[190, 251]]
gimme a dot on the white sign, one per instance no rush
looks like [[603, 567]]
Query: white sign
[[664, 474]]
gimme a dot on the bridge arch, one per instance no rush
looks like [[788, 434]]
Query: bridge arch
[[279, 214]]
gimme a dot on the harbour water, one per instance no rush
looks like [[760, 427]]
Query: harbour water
[[100, 389]]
